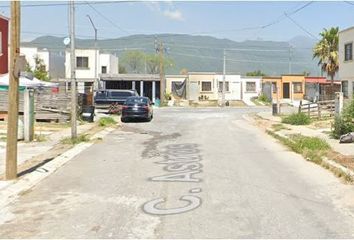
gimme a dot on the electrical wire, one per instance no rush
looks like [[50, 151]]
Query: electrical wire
[[66, 4], [107, 19]]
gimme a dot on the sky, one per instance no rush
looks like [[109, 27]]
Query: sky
[[235, 20]]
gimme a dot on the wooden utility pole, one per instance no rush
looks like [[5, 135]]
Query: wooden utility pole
[[162, 75], [223, 81], [12, 124], [72, 69]]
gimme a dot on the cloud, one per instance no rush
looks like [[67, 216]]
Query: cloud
[[167, 9], [174, 14]]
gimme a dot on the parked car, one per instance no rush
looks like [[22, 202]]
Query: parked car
[[137, 108], [108, 97]]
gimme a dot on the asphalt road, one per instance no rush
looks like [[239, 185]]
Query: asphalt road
[[190, 173]]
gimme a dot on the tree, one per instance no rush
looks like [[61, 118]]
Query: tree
[[256, 73], [122, 69], [326, 50], [134, 60], [184, 71], [153, 63], [40, 69]]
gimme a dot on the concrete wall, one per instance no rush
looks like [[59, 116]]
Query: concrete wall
[[291, 79], [205, 77], [110, 61], [84, 72], [346, 68], [31, 52], [247, 95], [234, 92]]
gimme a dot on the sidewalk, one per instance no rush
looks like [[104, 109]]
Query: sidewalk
[[344, 149], [26, 151]]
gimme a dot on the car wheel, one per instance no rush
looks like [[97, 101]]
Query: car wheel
[[123, 120]]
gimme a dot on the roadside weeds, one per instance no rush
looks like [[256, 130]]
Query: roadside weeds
[[340, 165]]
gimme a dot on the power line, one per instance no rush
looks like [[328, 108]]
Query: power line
[[236, 60], [65, 4], [107, 19], [301, 27]]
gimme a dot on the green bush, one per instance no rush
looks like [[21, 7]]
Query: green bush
[[341, 126], [297, 119], [263, 98], [302, 143], [106, 121], [344, 124]]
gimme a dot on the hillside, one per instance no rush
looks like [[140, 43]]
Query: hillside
[[205, 53]]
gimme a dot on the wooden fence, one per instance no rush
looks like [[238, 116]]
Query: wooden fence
[[319, 109], [48, 106]]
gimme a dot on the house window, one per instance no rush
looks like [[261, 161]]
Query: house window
[[206, 86], [82, 62], [297, 87], [226, 86], [250, 86], [345, 88], [104, 69], [274, 87], [348, 52]]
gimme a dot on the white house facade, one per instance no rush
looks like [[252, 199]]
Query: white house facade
[[88, 68], [346, 63]]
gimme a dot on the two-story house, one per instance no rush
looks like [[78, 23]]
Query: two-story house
[[88, 69], [53, 61], [346, 63]]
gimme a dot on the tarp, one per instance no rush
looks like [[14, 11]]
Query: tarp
[[179, 89], [26, 82]]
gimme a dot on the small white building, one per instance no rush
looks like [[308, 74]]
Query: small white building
[[88, 69], [54, 61], [251, 87], [208, 86], [346, 63]]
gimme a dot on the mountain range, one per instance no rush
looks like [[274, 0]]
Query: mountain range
[[205, 53]]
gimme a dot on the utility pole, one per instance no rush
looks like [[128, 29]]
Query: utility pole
[[160, 49], [12, 124], [223, 81], [96, 59], [72, 69]]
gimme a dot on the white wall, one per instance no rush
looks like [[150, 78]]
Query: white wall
[[30, 53], [110, 61], [234, 92], [346, 68], [82, 73], [246, 96]]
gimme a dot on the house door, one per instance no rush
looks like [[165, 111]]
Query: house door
[[286, 90]]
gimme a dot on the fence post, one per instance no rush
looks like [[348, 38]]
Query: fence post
[[300, 106], [309, 110], [338, 103], [28, 115], [319, 110]]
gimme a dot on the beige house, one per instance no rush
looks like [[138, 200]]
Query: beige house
[[346, 63]]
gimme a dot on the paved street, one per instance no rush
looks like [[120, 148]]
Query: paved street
[[190, 173]]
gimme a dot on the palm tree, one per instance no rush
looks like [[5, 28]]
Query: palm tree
[[326, 50]]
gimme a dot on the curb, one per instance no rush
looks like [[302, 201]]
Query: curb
[[13, 189], [331, 163]]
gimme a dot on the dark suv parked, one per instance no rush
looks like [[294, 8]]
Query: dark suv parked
[[108, 97]]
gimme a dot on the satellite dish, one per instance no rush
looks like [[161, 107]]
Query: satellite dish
[[66, 41]]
